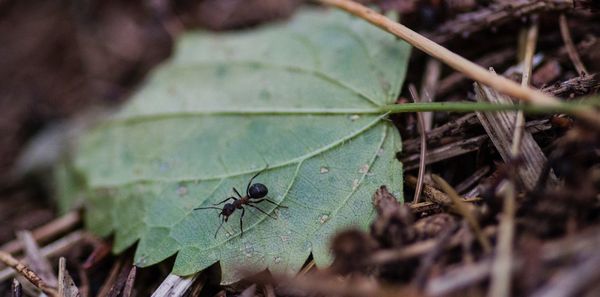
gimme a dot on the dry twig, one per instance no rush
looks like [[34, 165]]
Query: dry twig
[[36, 259], [51, 250], [31, 276]]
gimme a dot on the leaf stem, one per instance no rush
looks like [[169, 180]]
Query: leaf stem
[[570, 108]]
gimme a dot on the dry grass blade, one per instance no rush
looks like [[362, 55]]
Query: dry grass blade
[[501, 269], [455, 61], [462, 207], [31, 276], [530, 41], [570, 46]]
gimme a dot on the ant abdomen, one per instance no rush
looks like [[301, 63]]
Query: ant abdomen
[[257, 190]]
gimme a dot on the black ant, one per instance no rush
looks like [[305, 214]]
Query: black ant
[[255, 193]]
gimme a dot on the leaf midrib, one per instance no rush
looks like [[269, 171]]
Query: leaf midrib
[[300, 158], [373, 104]]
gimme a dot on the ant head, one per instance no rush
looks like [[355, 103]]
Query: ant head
[[257, 190], [228, 209]]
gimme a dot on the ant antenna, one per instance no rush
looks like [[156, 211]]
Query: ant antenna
[[207, 207]]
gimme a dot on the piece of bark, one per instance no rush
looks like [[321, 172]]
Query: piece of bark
[[66, 285], [500, 127]]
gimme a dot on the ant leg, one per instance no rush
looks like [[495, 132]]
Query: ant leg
[[270, 201], [225, 200], [271, 216], [221, 225], [236, 191], [241, 223], [250, 181]]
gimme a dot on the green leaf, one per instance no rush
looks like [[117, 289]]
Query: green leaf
[[297, 98]]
